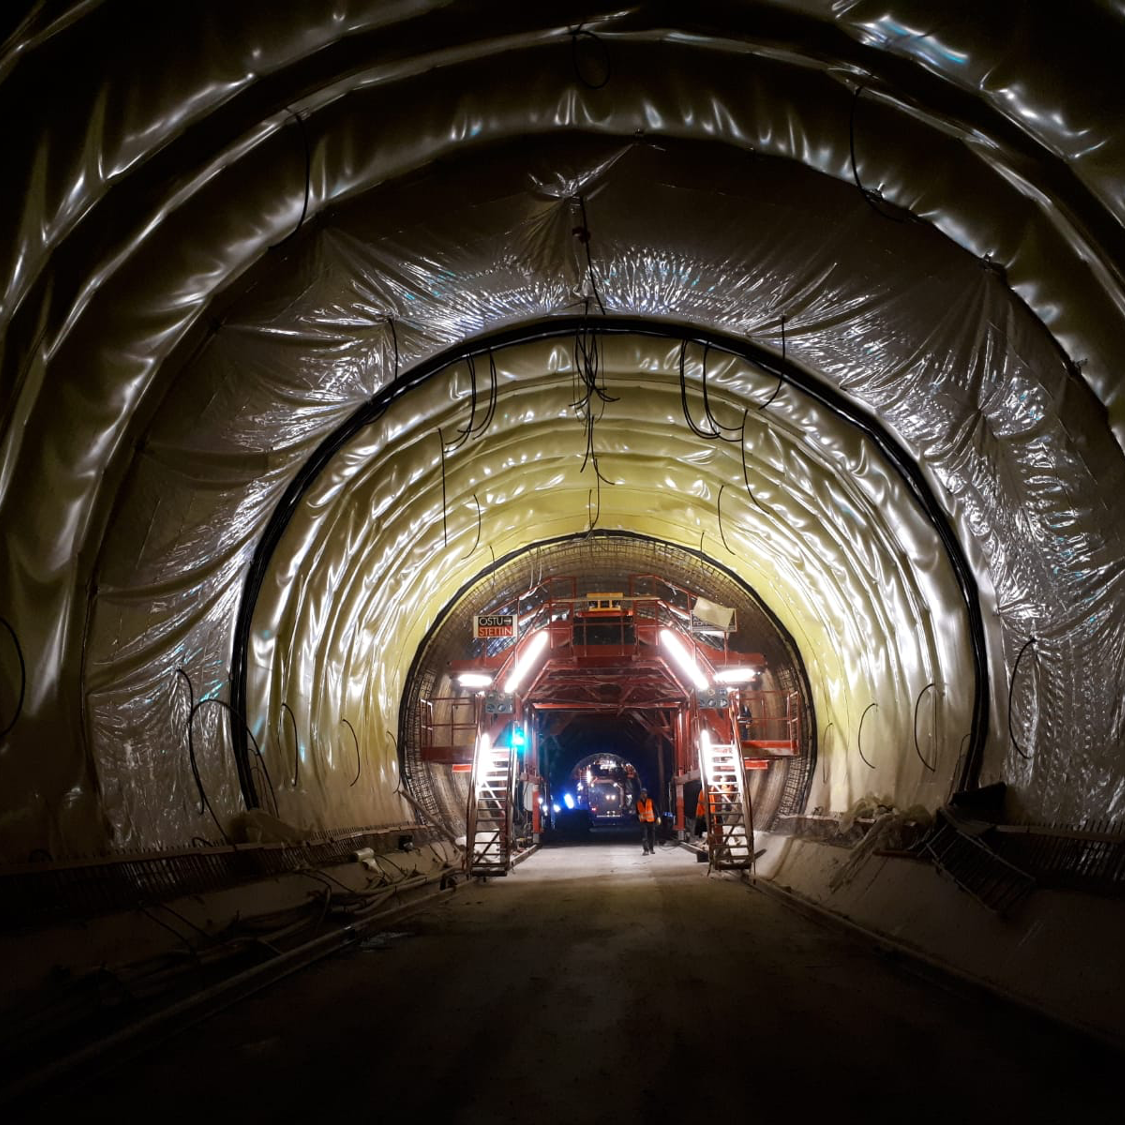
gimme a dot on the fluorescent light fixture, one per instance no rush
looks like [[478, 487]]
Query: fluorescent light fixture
[[525, 660], [483, 757], [743, 674], [684, 659], [474, 679], [705, 754]]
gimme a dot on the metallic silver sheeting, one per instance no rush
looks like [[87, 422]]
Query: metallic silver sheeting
[[187, 315]]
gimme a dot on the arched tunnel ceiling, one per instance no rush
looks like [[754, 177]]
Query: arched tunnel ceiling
[[229, 230]]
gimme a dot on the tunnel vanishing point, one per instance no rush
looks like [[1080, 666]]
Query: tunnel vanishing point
[[794, 330]]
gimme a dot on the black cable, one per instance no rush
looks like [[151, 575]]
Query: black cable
[[265, 771], [463, 434], [589, 36], [308, 176], [204, 804], [296, 742], [358, 755], [23, 676], [587, 363], [870, 196], [394, 341], [476, 543], [583, 235], [174, 932], [186, 921], [588, 360], [707, 412], [859, 735], [493, 391], [777, 389], [695, 429], [824, 763], [1011, 688], [917, 748], [226, 706], [745, 470]]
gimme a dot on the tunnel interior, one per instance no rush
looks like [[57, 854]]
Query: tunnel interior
[[581, 704], [327, 329]]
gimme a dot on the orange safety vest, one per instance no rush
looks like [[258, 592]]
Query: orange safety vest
[[701, 805], [645, 811]]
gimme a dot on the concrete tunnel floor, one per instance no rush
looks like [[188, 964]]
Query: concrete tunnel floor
[[598, 984]]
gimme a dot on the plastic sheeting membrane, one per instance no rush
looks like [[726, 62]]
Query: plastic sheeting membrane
[[225, 252]]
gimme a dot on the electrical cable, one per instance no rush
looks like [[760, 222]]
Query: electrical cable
[[262, 763], [186, 921], [204, 803], [917, 748], [859, 735], [695, 428], [394, 342], [582, 233], [226, 706], [463, 435], [23, 676], [867, 193], [358, 756], [745, 470], [824, 762], [777, 389], [296, 742], [587, 364], [476, 542], [493, 392], [1011, 687], [707, 413], [171, 929], [308, 177]]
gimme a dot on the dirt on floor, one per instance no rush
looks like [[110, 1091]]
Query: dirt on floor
[[596, 984]]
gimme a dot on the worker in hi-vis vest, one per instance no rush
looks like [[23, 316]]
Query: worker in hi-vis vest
[[646, 814], [701, 813]]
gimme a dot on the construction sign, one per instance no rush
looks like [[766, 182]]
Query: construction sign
[[494, 625]]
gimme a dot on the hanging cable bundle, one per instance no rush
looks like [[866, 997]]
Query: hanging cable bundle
[[587, 388]]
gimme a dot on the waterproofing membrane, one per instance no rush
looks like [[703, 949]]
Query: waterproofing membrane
[[203, 271]]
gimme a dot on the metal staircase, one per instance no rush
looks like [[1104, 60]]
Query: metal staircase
[[490, 810], [730, 832]]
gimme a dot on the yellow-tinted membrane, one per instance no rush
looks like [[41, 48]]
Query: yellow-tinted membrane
[[827, 535]]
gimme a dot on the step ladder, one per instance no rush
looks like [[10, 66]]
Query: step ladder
[[490, 810], [730, 832]]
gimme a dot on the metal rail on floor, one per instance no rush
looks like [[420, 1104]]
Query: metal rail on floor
[[38, 892], [149, 1032]]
